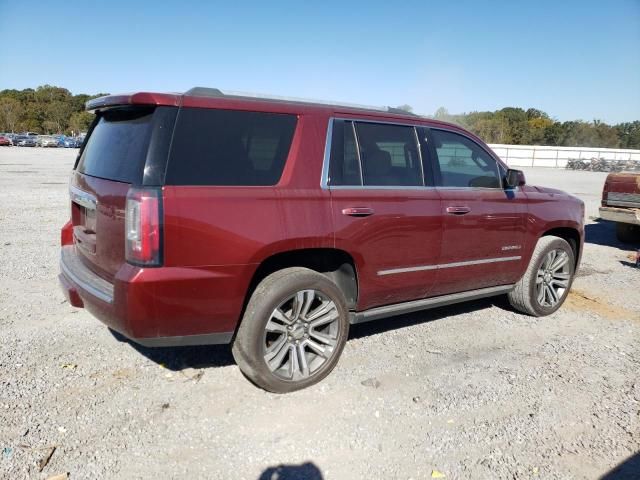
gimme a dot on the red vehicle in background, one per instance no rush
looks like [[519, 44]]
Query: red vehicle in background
[[621, 204], [273, 225], [4, 141]]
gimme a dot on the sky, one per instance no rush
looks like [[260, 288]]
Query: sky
[[574, 59]]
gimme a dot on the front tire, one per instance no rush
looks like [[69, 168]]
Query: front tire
[[293, 331], [545, 285]]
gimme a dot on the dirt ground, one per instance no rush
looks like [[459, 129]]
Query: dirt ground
[[468, 391]]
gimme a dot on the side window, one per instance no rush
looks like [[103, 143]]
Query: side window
[[463, 163], [388, 155], [229, 147], [344, 166]]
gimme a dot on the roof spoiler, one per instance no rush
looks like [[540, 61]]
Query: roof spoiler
[[139, 98]]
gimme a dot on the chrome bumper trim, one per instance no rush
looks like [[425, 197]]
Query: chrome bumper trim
[[76, 271]]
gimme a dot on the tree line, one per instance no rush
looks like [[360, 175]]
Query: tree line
[[516, 126], [50, 109], [46, 109]]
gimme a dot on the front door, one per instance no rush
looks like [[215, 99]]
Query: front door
[[483, 224]]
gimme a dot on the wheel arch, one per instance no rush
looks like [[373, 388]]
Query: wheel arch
[[573, 238], [338, 265]]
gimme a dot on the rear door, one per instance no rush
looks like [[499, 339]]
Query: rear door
[[383, 211], [124, 148], [483, 224]]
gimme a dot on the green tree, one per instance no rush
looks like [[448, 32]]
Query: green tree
[[629, 134], [10, 110], [80, 121]]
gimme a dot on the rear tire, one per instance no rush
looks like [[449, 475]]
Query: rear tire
[[627, 233], [546, 283], [293, 330]]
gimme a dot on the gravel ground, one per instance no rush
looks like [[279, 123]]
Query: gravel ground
[[468, 391]]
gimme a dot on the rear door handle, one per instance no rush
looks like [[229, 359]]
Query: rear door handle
[[458, 210], [358, 211]]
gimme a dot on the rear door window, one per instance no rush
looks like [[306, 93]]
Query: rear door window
[[229, 147], [389, 155], [345, 165], [118, 144]]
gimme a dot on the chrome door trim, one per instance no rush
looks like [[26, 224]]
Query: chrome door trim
[[441, 266], [356, 140], [324, 179]]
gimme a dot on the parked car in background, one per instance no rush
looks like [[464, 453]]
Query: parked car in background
[[25, 141], [5, 141], [209, 218], [47, 141], [621, 204], [71, 142]]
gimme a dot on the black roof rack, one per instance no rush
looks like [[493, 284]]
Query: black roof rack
[[217, 93]]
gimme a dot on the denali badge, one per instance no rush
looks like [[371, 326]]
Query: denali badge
[[511, 247]]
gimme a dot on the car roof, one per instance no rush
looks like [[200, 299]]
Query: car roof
[[204, 97]]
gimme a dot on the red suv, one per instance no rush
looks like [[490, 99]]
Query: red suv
[[209, 218]]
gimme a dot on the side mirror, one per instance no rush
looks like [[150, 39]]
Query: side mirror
[[514, 178]]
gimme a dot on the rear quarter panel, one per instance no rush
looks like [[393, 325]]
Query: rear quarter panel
[[216, 228]]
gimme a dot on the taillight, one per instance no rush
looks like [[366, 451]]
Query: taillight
[[66, 234], [143, 227]]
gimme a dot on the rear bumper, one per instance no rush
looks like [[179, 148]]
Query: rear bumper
[[155, 307], [621, 215]]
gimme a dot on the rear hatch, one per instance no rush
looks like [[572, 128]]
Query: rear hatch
[[115, 156]]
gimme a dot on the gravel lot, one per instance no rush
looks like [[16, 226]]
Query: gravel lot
[[470, 391]]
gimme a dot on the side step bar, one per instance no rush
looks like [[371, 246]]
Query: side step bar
[[424, 304]]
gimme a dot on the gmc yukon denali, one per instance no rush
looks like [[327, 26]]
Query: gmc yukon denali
[[208, 218]]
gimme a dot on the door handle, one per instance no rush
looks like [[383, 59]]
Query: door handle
[[358, 211], [458, 210]]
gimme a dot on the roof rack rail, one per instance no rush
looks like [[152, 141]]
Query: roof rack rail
[[217, 93]]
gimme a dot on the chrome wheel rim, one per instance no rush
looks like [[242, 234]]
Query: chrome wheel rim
[[301, 335], [552, 279]]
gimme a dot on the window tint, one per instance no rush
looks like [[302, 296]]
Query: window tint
[[344, 165], [228, 147], [117, 147], [463, 163], [389, 155]]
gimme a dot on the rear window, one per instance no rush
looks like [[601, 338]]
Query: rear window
[[117, 147], [229, 147]]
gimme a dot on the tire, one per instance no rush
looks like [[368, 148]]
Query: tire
[[525, 297], [269, 326], [627, 233]]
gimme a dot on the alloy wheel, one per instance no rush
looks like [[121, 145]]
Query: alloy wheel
[[552, 279], [301, 335]]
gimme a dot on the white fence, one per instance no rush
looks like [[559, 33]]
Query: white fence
[[542, 156]]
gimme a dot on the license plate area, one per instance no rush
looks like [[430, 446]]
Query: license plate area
[[83, 216]]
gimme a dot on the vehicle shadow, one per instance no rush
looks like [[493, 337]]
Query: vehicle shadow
[[602, 232], [180, 358], [627, 470], [304, 471], [213, 356]]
